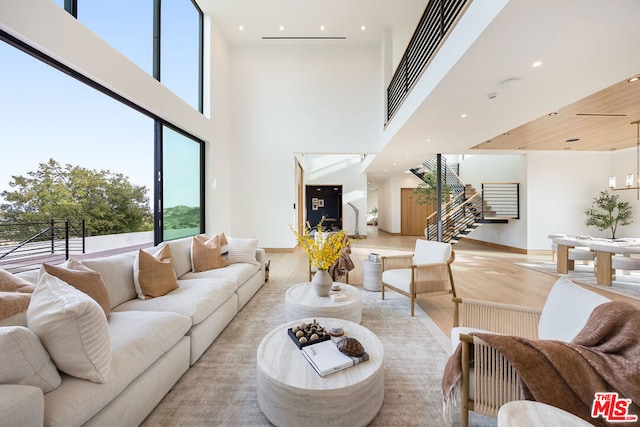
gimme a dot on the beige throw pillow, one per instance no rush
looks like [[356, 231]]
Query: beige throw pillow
[[12, 283], [25, 361], [72, 327], [84, 279], [206, 254], [12, 304], [154, 275]]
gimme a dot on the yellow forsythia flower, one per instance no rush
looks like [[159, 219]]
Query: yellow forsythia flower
[[325, 248]]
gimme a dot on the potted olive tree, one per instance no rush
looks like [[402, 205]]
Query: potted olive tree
[[607, 212]]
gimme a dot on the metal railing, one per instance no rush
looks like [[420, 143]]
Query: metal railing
[[434, 25], [504, 199], [23, 246]]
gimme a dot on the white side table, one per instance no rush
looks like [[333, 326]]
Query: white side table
[[301, 301], [372, 275]]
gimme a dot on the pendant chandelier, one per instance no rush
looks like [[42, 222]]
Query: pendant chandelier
[[630, 184]]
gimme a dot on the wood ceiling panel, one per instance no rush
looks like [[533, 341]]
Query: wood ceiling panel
[[600, 122]]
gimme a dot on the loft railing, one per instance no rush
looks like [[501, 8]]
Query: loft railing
[[432, 29], [25, 245]]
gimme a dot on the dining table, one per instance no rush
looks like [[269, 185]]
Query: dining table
[[603, 248]]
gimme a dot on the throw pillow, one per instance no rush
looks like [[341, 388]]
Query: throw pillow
[[12, 304], [84, 279], [153, 274], [72, 327], [25, 361], [206, 254], [12, 283], [242, 250]]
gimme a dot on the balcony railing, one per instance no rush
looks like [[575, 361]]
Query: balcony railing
[[25, 245], [436, 22]]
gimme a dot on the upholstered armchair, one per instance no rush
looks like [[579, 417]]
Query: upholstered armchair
[[427, 270], [488, 380]]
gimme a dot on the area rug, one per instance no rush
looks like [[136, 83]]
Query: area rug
[[627, 285], [220, 388]]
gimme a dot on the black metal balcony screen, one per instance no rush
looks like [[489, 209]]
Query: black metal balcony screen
[[437, 19]]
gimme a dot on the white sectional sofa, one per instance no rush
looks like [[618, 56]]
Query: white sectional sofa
[[153, 341]]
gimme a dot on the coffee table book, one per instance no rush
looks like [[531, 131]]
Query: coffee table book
[[325, 358]]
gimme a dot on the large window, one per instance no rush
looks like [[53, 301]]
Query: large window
[[45, 114], [132, 27], [180, 50], [124, 24], [181, 171]]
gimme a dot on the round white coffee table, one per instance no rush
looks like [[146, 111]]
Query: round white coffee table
[[291, 393], [301, 302]]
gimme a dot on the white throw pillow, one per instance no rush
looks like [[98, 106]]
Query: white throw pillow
[[25, 361], [72, 327], [242, 250]]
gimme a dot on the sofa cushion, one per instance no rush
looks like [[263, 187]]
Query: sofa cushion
[[13, 308], [138, 339], [117, 275], [242, 250], [25, 361], [566, 310], [206, 253], [12, 283], [399, 278], [237, 273], [84, 279], [196, 299], [153, 273], [224, 243], [72, 327]]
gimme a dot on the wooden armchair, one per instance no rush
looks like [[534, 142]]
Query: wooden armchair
[[427, 270], [488, 380]]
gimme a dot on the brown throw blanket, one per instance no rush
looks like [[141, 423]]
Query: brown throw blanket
[[603, 357], [342, 265]]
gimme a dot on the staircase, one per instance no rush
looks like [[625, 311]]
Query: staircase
[[467, 209]]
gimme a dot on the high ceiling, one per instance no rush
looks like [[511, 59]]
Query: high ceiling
[[585, 47]]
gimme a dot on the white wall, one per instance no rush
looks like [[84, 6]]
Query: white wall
[[216, 97], [621, 163], [291, 98], [389, 201], [477, 169]]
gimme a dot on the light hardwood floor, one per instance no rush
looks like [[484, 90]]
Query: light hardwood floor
[[480, 272]]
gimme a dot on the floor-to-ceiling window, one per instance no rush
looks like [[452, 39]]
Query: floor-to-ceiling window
[[46, 113]]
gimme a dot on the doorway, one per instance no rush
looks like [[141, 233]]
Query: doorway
[[324, 202], [412, 215]]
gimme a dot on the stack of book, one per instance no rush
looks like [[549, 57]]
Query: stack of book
[[325, 358]]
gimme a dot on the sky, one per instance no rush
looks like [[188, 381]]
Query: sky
[[46, 114]]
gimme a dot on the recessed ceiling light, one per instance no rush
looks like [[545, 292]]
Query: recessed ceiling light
[[363, 28], [321, 27], [536, 64], [463, 115], [281, 27], [633, 79], [428, 139], [552, 114], [241, 28]]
